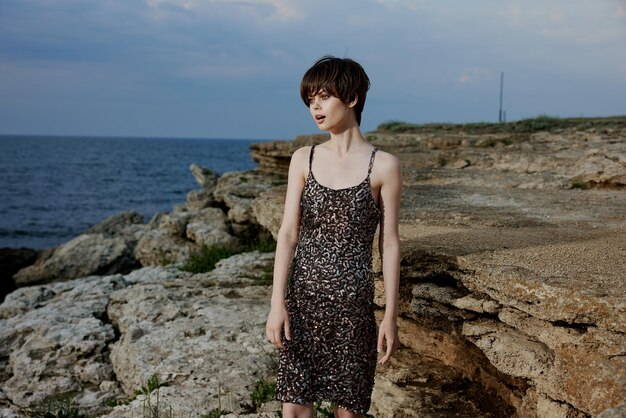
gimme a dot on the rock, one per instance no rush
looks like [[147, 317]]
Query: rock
[[205, 177], [200, 199], [551, 408], [273, 157], [175, 223], [599, 171], [268, 209], [103, 337], [208, 227], [237, 190], [11, 261], [509, 350], [120, 224], [435, 372], [87, 254], [158, 247], [617, 412], [55, 338]]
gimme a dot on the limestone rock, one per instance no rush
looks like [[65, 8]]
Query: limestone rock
[[200, 199], [175, 223], [158, 246], [509, 350], [205, 177], [237, 190], [273, 157], [100, 336], [617, 412], [599, 170], [84, 255], [55, 338], [125, 223], [208, 227], [268, 209]]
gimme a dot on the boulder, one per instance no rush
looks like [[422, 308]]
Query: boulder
[[54, 338], [208, 227], [87, 254], [104, 337], [599, 170], [237, 190], [200, 199], [159, 246], [268, 208], [125, 224]]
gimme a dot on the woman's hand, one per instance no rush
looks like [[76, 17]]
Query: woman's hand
[[388, 331], [277, 318]]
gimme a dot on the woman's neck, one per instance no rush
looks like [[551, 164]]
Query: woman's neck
[[346, 140]]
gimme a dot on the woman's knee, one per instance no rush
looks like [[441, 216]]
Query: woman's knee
[[296, 410]]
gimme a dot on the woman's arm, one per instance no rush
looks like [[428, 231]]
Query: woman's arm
[[389, 248], [285, 246]]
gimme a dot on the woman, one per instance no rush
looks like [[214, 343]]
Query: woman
[[322, 319]]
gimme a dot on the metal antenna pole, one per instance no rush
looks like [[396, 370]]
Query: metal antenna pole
[[500, 114]]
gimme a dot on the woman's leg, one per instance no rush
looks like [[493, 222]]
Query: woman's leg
[[296, 410], [343, 413]]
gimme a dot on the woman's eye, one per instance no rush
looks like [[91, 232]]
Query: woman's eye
[[325, 96]]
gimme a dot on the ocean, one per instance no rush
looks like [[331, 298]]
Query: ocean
[[53, 188]]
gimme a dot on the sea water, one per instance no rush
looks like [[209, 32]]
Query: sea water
[[53, 188]]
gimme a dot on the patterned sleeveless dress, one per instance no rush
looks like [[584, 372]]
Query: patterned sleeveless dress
[[330, 299]]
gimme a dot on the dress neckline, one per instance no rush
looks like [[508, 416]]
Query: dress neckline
[[366, 179], [341, 189]]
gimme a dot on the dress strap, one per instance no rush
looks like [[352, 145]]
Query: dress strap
[[311, 157], [369, 170]]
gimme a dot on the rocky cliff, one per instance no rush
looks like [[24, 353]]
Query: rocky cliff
[[513, 291], [513, 267]]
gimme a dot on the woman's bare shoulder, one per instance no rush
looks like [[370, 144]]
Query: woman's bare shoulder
[[387, 161], [303, 150], [300, 160]]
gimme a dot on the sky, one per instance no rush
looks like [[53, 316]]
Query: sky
[[232, 68]]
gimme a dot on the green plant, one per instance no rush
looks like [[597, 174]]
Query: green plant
[[263, 392], [326, 412], [166, 260], [263, 242], [151, 385], [205, 258], [62, 405]]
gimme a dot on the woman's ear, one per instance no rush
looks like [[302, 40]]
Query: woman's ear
[[353, 102]]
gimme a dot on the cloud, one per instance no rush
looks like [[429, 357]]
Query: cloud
[[620, 9], [396, 4], [474, 75], [272, 10]]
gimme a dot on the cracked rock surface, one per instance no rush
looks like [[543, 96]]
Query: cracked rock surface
[[103, 337]]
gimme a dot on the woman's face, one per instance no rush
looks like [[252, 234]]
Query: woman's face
[[329, 112]]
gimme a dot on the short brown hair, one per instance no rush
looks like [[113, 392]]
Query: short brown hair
[[340, 77]]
